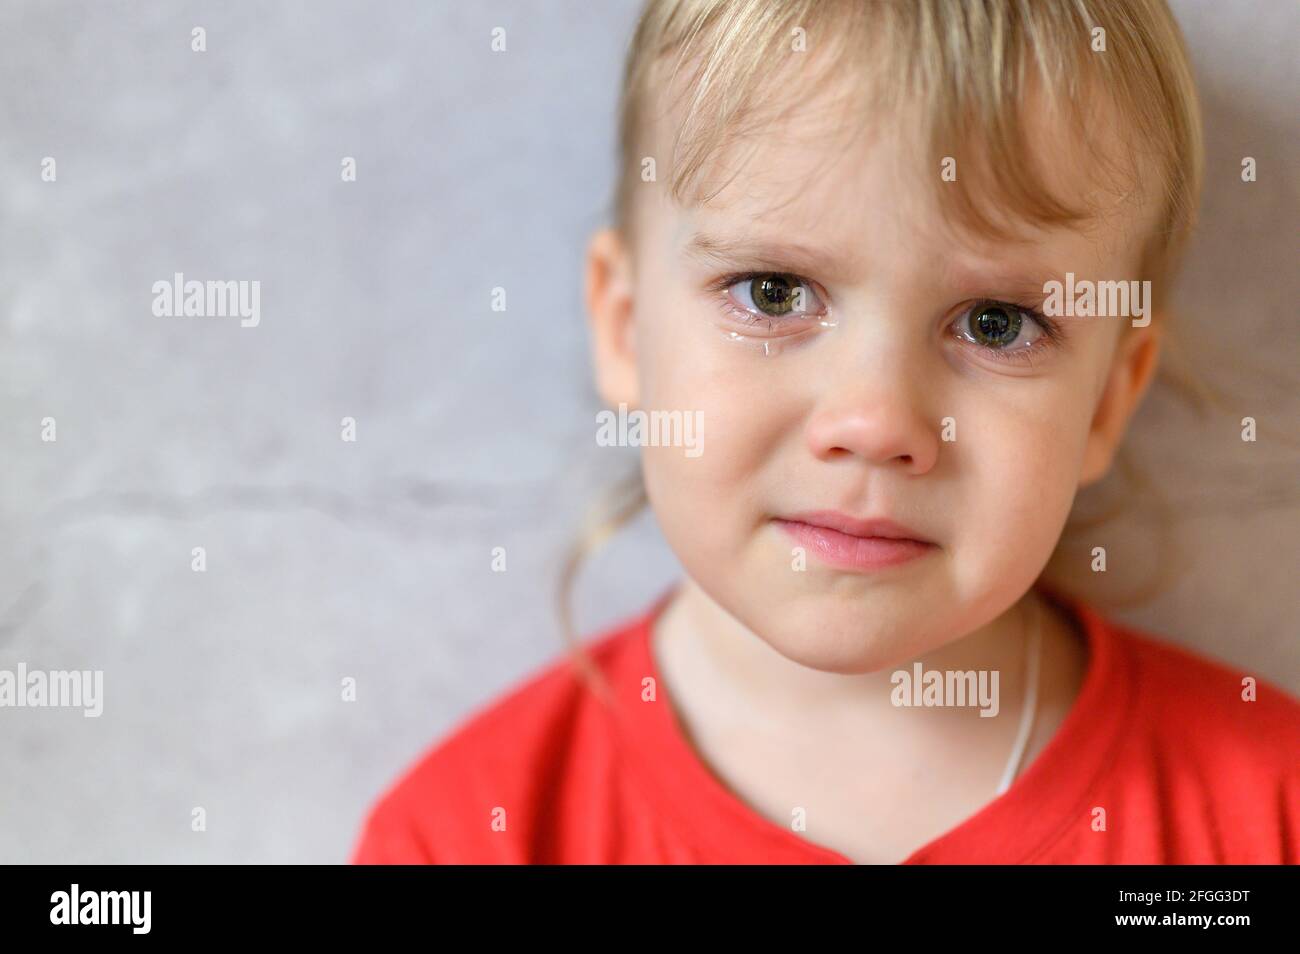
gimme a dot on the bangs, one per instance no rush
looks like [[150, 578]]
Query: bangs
[[973, 79]]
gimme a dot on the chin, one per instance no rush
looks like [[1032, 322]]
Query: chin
[[846, 647]]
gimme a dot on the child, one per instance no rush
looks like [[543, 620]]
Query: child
[[841, 234]]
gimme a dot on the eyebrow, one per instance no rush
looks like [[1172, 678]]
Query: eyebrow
[[1026, 280], [759, 253]]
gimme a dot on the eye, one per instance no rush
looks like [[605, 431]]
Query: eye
[[1005, 331], [771, 297], [775, 295], [998, 326]]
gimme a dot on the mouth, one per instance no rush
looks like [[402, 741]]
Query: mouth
[[853, 543]]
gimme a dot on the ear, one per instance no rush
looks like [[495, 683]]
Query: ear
[[1131, 371], [611, 317]]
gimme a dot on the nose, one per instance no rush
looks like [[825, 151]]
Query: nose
[[878, 422]]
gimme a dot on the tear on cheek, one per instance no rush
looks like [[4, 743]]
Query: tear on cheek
[[771, 345]]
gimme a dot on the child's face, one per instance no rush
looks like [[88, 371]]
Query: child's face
[[845, 406]]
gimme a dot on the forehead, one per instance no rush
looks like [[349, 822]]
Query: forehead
[[823, 171]]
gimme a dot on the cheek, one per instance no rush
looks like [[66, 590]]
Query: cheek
[[707, 501], [708, 505], [1021, 472], [686, 363]]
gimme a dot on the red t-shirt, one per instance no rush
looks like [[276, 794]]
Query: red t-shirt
[[1186, 770]]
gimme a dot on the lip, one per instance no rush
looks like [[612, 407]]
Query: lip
[[854, 543]]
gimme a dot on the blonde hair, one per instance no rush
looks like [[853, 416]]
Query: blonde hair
[[968, 65]]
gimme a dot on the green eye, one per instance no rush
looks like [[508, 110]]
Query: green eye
[[774, 295], [777, 303], [994, 326], [1001, 331]]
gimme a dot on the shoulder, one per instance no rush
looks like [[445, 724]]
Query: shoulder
[[1206, 711], [480, 793]]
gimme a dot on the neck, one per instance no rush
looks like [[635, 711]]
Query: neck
[[706, 651]]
